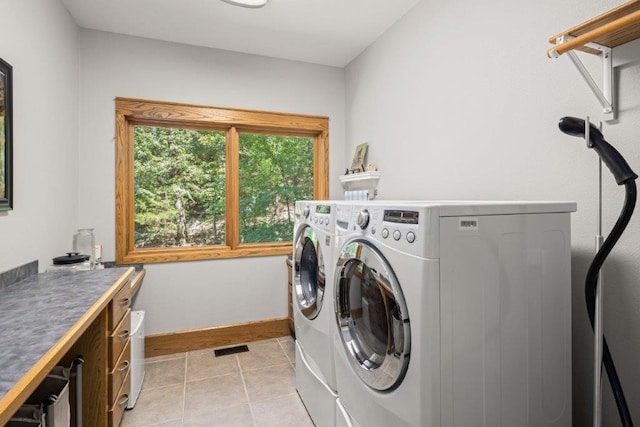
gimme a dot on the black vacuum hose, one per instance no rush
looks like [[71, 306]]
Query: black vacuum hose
[[624, 176], [590, 287]]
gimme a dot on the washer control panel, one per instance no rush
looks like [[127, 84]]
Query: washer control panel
[[362, 219]]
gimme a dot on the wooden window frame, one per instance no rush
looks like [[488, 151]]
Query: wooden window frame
[[132, 112]]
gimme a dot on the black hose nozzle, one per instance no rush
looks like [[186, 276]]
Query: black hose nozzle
[[623, 175], [609, 155]]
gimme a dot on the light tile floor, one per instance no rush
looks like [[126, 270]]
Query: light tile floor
[[254, 388]]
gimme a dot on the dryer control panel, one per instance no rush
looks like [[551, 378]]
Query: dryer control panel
[[402, 227], [401, 217]]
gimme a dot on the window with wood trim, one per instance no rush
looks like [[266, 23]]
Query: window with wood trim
[[198, 182]]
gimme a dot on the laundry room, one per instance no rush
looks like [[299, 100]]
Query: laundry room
[[455, 100]]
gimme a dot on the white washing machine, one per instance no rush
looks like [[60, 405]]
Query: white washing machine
[[313, 267], [454, 314], [343, 419], [345, 229]]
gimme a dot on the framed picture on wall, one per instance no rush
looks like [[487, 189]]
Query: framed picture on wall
[[357, 165], [6, 132]]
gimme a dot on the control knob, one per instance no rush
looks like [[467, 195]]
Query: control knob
[[306, 212], [362, 220]]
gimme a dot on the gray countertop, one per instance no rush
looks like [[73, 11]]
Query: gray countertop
[[38, 311]]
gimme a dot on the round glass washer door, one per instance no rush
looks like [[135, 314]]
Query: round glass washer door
[[309, 273], [372, 316]]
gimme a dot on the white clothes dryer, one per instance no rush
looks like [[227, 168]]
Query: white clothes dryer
[[454, 314], [313, 267]]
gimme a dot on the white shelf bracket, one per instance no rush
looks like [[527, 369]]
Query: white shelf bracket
[[604, 96]]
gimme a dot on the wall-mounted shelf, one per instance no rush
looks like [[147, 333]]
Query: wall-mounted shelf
[[360, 181], [613, 28], [363, 181], [598, 36]]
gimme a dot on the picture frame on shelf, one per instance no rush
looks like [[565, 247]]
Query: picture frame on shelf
[[359, 157]]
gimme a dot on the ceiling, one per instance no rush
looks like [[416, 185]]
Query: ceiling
[[328, 32]]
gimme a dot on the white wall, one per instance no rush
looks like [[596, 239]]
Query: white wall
[[39, 39], [459, 101], [190, 295]]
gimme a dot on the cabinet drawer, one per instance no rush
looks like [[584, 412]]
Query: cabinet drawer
[[117, 407], [119, 339], [119, 305], [120, 370]]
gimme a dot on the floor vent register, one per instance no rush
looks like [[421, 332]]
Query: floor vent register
[[231, 350]]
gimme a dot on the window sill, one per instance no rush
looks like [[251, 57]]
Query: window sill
[[151, 256]]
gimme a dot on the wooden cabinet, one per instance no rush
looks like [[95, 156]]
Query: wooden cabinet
[[88, 315], [119, 364], [118, 374], [106, 350], [119, 306], [290, 295]]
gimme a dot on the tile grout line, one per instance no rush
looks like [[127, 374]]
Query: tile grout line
[[184, 386], [252, 411], [246, 392], [287, 355]]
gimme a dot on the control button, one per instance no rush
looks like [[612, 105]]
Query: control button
[[306, 212], [315, 219], [326, 221], [362, 220], [385, 233], [397, 235], [411, 237], [373, 230]]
